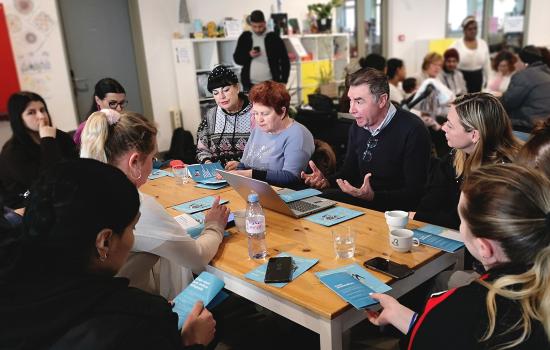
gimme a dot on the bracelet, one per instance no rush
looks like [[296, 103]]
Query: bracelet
[[413, 319]]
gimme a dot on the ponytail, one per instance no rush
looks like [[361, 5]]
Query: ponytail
[[108, 135], [534, 297], [94, 136]]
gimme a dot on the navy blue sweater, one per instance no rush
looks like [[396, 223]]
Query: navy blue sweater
[[399, 163]]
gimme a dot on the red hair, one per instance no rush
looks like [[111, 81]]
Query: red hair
[[271, 94]]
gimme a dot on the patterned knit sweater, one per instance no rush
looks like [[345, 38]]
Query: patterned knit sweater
[[222, 136]]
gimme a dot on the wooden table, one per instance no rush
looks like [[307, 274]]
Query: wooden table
[[305, 300], [168, 193]]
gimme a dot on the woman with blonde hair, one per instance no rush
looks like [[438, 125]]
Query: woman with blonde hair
[[128, 141], [479, 132], [505, 213]]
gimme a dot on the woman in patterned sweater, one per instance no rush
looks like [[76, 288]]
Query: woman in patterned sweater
[[225, 128]]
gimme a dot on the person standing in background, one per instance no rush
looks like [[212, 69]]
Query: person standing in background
[[474, 56], [262, 54]]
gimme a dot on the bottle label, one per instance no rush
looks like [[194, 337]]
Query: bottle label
[[255, 224]]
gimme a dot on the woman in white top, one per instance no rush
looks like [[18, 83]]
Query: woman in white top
[[128, 142], [503, 67], [474, 56]]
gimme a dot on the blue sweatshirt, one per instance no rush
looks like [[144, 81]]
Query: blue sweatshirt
[[278, 158]]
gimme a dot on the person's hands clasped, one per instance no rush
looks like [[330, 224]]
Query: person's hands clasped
[[392, 313], [316, 179], [364, 192], [199, 327], [46, 130], [218, 214], [231, 165]]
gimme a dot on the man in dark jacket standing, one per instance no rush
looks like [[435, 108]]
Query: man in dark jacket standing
[[528, 95], [262, 54]]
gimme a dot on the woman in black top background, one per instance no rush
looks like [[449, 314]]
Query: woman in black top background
[[34, 146]]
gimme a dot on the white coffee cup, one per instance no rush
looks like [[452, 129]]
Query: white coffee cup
[[396, 219], [402, 240]]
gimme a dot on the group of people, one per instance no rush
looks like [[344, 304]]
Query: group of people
[[86, 222]]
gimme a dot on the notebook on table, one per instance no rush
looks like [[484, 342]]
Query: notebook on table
[[272, 200]]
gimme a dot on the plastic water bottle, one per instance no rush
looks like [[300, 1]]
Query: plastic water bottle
[[255, 228]]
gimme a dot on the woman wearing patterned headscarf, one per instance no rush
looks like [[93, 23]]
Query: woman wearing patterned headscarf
[[225, 128]]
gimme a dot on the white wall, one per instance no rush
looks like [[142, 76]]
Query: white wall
[[537, 28], [418, 21], [42, 64], [158, 23]]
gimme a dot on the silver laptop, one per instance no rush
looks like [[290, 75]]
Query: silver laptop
[[271, 200]]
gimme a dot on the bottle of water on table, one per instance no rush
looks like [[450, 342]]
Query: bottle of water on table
[[255, 228]]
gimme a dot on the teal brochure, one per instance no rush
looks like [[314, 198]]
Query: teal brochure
[[349, 289], [301, 265], [334, 216], [209, 186], [205, 288], [199, 217], [196, 231], [439, 237], [366, 277], [205, 173], [297, 195], [197, 205], [355, 295], [156, 173]]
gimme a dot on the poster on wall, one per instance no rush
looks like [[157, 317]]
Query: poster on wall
[[40, 59], [10, 83]]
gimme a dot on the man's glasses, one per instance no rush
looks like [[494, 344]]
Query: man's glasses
[[371, 143], [115, 104]]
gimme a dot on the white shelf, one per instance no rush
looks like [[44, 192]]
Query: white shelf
[[194, 58]]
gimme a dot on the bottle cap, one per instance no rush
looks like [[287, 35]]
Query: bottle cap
[[253, 197], [176, 163]]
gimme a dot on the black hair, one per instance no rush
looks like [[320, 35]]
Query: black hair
[[375, 79], [102, 88], [393, 65], [221, 76], [373, 60], [409, 84], [68, 206], [17, 103]]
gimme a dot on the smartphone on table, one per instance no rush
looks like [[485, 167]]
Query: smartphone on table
[[279, 270], [388, 267]]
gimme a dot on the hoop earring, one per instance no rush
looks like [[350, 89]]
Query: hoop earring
[[137, 177]]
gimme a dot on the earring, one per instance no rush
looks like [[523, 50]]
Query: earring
[[137, 177], [103, 258]]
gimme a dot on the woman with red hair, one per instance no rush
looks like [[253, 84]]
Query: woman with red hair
[[279, 147]]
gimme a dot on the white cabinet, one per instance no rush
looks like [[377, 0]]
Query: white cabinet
[[195, 58]]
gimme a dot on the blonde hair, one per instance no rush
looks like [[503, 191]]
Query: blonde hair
[[430, 58], [510, 204], [105, 139], [497, 143]]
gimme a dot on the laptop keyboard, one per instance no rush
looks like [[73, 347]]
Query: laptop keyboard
[[302, 206]]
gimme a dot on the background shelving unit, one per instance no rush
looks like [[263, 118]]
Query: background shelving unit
[[195, 58]]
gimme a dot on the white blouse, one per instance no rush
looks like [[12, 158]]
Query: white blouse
[[164, 254]]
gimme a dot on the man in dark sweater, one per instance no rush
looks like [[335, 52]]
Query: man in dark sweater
[[386, 164], [263, 55]]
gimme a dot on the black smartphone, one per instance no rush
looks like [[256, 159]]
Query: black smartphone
[[388, 267], [256, 48], [230, 220], [279, 269]]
